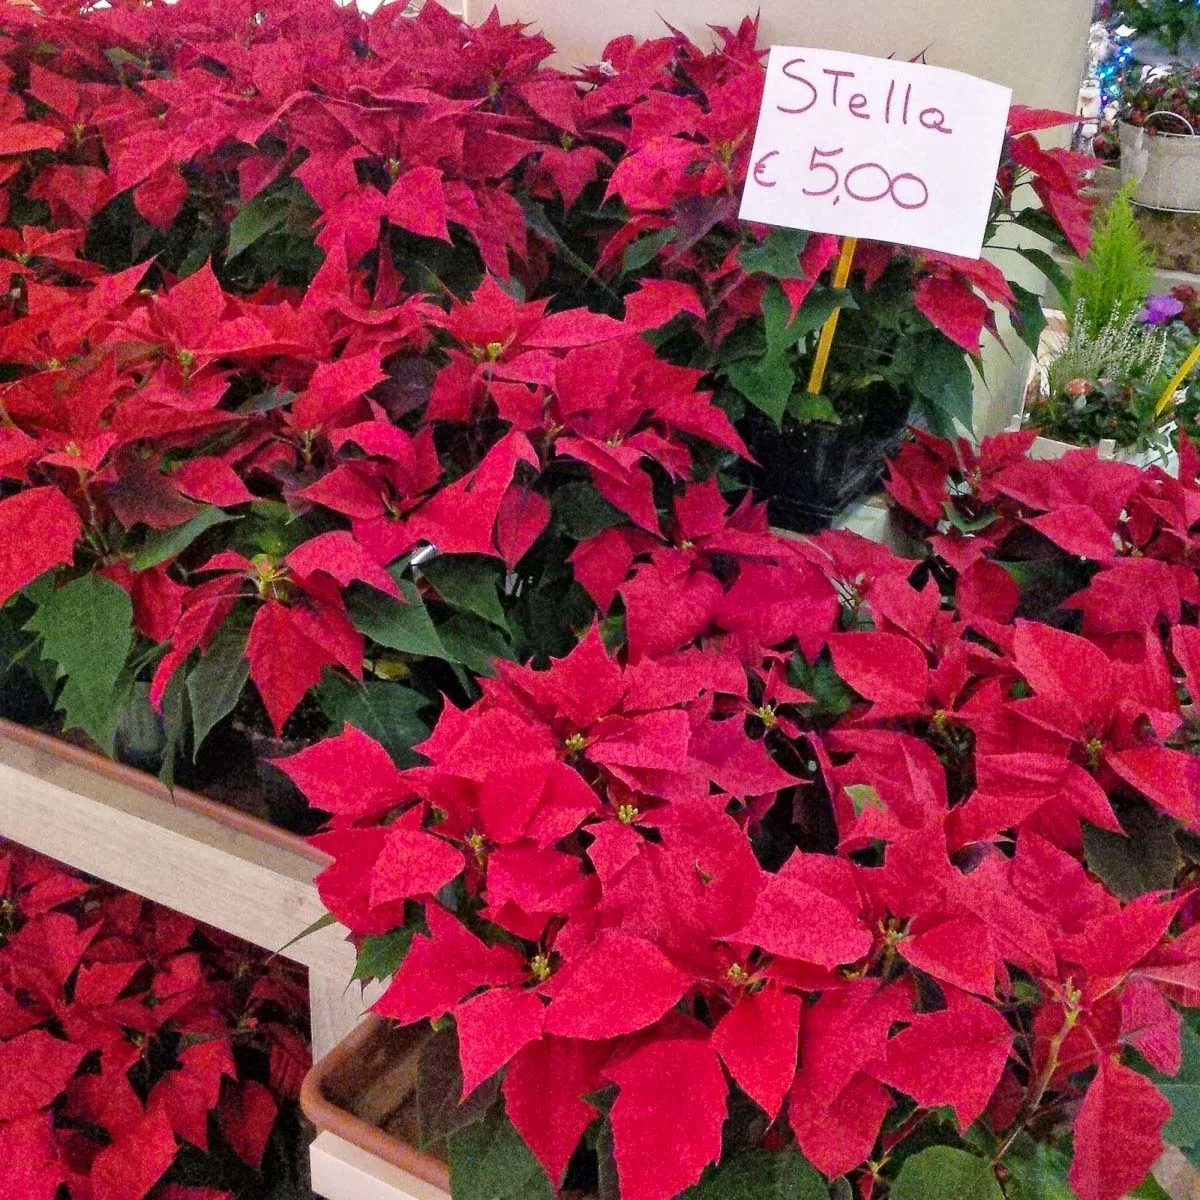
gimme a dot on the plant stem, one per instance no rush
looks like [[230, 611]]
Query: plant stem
[[1040, 1084]]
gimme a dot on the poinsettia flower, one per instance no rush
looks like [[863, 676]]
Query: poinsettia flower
[[300, 624]]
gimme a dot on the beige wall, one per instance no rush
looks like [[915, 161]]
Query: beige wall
[[1036, 47]]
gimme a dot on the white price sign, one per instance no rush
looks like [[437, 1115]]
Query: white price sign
[[873, 148]]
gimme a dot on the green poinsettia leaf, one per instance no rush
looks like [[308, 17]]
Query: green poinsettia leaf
[[1029, 319], [215, 684], [379, 957], [86, 627], [767, 383], [1036, 1172], [944, 1173], [263, 214], [441, 1110], [161, 544], [489, 1161], [1182, 1090], [778, 254], [642, 252], [174, 720], [762, 1175], [470, 582], [404, 626], [1143, 859], [475, 643], [386, 711]]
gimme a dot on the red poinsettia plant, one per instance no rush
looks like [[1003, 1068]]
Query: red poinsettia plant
[[294, 296], [814, 863], [247, 369], [143, 1054], [676, 124]]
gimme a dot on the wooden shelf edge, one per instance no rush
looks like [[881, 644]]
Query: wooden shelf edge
[[341, 1171], [186, 860]]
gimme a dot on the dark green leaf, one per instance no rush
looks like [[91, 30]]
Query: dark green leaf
[[1039, 221], [762, 1175], [264, 213], [1182, 1090], [272, 398], [778, 327], [606, 1162], [86, 628], [1029, 319], [174, 713], [470, 640], [382, 710], [406, 626], [581, 512], [1144, 861], [807, 407], [120, 57], [767, 384], [536, 219], [380, 957], [777, 254], [441, 1111], [1049, 266], [489, 1161], [1036, 1172], [1149, 1189], [641, 252], [820, 304], [967, 524], [324, 921], [216, 682], [943, 1173], [161, 544], [939, 372], [468, 581], [831, 696], [272, 528]]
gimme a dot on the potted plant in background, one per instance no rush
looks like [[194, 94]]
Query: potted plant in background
[[1160, 138], [1168, 25], [745, 304], [150, 1055], [1104, 384]]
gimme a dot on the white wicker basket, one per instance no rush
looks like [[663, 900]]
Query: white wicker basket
[[1166, 166]]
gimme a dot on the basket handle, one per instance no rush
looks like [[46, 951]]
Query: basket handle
[[1165, 112]]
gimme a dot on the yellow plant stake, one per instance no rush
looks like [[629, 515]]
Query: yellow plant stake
[[1192, 361], [841, 277]]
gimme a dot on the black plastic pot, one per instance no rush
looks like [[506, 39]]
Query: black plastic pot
[[809, 473]]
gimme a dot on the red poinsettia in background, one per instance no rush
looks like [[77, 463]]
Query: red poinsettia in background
[[143, 1054]]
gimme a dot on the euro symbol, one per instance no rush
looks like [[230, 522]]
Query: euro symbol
[[760, 169]]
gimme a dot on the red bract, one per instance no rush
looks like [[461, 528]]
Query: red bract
[[300, 626], [123, 1027]]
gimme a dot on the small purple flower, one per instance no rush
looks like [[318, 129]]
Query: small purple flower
[[1160, 309]]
